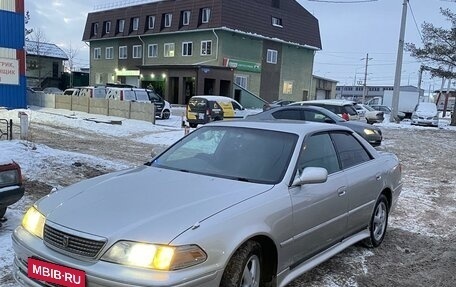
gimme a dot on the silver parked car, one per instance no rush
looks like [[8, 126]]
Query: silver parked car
[[235, 203]]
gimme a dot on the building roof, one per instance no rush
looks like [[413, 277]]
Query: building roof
[[44, 50], [293, 23]]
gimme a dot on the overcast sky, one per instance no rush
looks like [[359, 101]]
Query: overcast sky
[[348, 33]]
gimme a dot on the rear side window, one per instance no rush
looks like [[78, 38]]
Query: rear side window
[[318, 151], [351, 152], [142, 96], [288, 115], [129, 95], [350, 110]]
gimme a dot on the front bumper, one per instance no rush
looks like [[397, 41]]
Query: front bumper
[[100, 273], [425, 122], [10, 195]]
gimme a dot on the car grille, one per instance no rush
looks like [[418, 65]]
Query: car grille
[[70, 243]]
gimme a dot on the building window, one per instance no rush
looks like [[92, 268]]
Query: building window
[[137, 51], [205, 15], [241, 80], [95, 29], [152, 51], [135, 24], [169, 50], [121, 25], [288, 87], [271, 57], [97, 53], [107, 27], [122, 52], [168, 19], [151, 22], [185, 18], [206, 48], [187, 48], [109, 53], [277, 22]]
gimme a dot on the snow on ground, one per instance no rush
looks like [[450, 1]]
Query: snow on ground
[[36, 159]]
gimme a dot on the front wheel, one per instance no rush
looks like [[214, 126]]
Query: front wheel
[[378, 223], [166, 114], [244, 268]]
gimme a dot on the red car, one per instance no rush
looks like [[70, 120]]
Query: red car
[[11, 188]]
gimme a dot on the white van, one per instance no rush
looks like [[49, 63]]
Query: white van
[[162, 107], [98, 92], [425, 114]]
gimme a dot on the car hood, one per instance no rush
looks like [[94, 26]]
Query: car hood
[[144, 203], [425, 113], [358, 126]]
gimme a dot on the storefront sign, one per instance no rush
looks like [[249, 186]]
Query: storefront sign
[[242, 65], [9, 71], [127, 73]]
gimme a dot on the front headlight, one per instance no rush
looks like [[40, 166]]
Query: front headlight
[[369, 132], [33, 222], [414, 117], [435, 118], [9, 177], [159, 257]]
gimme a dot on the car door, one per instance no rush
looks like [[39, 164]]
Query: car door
[[239, 111], [364, 179], [319, 210]]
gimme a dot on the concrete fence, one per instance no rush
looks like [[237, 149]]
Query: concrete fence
[[124, 109]]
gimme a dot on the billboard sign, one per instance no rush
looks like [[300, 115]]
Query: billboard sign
[[9, 71]]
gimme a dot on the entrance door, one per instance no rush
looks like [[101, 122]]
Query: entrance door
[[209, 86]]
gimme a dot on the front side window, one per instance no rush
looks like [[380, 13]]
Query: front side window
[[121, 25], [152, 51], [233, 153], [122, 52], [135, 24], [271, 56], [151, 22], [187, 48], [318, 151], [288, 114], [206, 48], [351, 152], [168, 19], [109, 51], [169, 50], [137, 51], [205, 15], [97, 53]]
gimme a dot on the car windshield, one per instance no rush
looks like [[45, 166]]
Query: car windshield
[[244, 154]]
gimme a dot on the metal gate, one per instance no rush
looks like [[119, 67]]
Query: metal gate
[[8, 132]]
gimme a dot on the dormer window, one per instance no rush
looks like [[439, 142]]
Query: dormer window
[[94, 29], [121, 25], [277, 22], [151, 22], [107, 27], [185, 18], [205, 15], [168, 20], [135, 24]]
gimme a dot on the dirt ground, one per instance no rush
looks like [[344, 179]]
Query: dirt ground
[[419, 249]]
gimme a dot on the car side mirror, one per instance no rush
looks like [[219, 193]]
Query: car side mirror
[[329, 121], [311, 175]]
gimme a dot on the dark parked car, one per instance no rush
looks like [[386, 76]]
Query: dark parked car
[[370, 133], [11, 189]]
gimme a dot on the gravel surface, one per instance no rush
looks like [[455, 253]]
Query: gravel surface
[[419, 247]]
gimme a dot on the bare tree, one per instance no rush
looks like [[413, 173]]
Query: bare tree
[[71, 53], [39, 38], [27, 30]]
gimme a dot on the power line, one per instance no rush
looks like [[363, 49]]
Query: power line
[[414, 20]]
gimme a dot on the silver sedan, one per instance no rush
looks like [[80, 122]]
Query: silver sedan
[[238, 203]]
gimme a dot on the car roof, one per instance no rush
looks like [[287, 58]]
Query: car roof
[[336, 102], [290, 126], [214, 98]]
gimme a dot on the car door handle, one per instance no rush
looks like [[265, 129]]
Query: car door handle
[[378, 177], [341, 191]]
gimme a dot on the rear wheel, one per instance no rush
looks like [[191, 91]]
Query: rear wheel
[[244, 268], [166, 114], [379, 222]]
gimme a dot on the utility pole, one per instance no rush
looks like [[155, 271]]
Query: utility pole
[[365, 78], [420, 76], [400, 55]]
